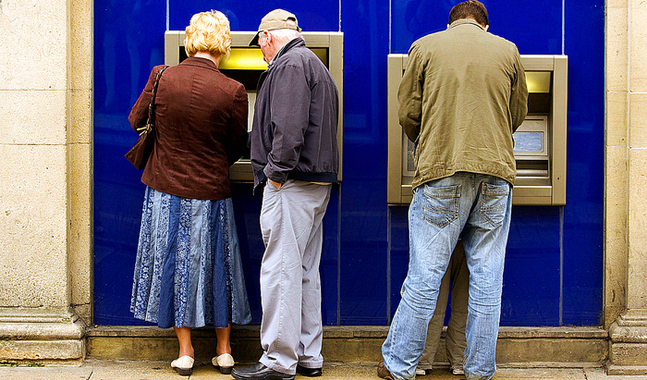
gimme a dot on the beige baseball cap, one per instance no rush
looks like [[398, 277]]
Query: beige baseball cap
[[276, 19]]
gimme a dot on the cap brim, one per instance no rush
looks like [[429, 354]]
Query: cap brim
[[254, 41]]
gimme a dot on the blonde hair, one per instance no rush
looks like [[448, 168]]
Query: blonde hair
[[209, 32]]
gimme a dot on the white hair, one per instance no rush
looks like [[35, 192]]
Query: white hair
[[284, 35]]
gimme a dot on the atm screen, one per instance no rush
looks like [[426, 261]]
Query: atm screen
[[530, 142], [531, 138], [245, 64]]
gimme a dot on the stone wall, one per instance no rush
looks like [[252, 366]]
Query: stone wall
[[45, 180], [626, 193]]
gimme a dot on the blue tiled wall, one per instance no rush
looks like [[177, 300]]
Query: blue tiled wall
[[553, 273]]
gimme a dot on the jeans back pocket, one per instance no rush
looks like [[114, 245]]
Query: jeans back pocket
[[494, 202], [440, 204]]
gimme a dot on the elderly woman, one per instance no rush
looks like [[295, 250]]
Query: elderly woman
[[188, 270]]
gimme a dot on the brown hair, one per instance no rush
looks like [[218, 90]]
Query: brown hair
[[473, 9]]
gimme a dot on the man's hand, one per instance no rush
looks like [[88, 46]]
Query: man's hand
[[278, 185]]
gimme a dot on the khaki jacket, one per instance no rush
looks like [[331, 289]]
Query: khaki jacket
[[462, 96]]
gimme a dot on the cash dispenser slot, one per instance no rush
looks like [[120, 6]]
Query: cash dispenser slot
[[245, 64], [540, 142]]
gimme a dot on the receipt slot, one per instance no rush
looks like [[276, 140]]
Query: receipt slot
[[540, 142], [245, 64]]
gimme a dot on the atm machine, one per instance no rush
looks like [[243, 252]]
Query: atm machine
[[540, 142], [245, 64]]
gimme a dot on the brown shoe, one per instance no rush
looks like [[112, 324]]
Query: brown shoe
[[383, 372]]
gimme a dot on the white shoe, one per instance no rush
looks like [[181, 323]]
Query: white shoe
[[458, 371], [420, 372], [225, 362], [183, 365]]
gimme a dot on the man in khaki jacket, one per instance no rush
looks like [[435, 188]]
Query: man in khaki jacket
[[462, 96]]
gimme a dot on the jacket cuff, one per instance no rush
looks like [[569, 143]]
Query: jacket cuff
[[275, 176]]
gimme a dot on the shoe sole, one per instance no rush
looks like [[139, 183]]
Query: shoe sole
[[225, 370], [318, 374], [183, 371]]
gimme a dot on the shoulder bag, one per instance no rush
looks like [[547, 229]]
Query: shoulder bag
[[139, 153]]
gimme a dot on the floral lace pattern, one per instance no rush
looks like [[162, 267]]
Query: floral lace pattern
[[188, 270]]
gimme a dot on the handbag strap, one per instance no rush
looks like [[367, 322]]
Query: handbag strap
[[151, 105]]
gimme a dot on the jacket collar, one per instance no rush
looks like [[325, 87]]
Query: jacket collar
[[199, 62], [292, 44], [465, 21]]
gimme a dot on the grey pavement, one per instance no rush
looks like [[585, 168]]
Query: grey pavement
[[148, 370]]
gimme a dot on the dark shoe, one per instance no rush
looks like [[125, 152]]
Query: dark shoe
[[383, 372], [259, 372], [310, 372]]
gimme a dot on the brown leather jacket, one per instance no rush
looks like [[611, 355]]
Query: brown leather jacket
[[201, 129]]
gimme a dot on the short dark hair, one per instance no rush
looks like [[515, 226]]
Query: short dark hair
[[473, 9]]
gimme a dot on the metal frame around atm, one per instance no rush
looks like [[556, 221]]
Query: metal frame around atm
[[241, 171], [526, 191]]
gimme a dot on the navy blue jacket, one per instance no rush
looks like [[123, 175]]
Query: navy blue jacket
[[294, 132]]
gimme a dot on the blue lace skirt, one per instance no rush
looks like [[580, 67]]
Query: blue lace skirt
[[188, 271]]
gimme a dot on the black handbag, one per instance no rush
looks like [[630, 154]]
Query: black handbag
[[139, 153]]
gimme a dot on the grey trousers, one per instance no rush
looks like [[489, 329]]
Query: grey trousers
[[457, 276], [291, 225]]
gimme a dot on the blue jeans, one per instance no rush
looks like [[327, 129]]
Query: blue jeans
[[479, 207]]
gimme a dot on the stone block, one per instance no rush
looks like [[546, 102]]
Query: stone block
[[616, 211], [33, 226], [41, 335], [638, 120], [80, 225], [628, 346], [638, 54], [34, 49], [617, 52], [80, 118], [637, 224], [81, 44], [617, 4], [617, 119], [33, 117], [41, 351]]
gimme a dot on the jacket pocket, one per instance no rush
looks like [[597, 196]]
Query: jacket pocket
[[440, 204]]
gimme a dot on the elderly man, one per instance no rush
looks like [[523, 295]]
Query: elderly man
[[294, 152], [462, 96]]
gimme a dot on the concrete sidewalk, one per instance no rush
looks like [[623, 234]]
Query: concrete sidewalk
[[149, 370]]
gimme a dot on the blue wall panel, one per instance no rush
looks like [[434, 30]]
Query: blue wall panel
[[553, 272], [363, 211], [535, 27], [583, 231], [531, 279], [246, 15], [398, 253], [125, 49]]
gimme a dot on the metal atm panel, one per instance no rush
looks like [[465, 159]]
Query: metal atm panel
[[246, 64], [540, 142]]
